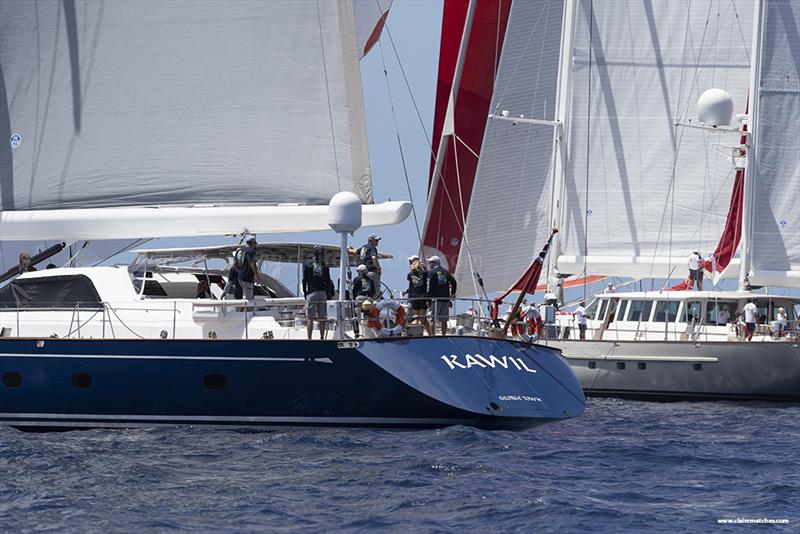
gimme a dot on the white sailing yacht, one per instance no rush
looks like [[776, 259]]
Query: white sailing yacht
[[592, 129], [181, 119]]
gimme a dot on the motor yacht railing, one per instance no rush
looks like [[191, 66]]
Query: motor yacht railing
[[465, 317]]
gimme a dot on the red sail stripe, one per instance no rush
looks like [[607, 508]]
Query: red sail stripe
[[443, 226]]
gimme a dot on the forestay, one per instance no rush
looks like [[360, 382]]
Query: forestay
[[107, 104], [640, 193], [775, 216]]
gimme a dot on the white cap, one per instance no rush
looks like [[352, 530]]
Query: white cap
[[435, 259], [361, 267], [413, 257]]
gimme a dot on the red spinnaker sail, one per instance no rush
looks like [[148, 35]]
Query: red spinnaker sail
[[449, 199], [732, 234]]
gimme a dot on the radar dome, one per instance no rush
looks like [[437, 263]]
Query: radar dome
[[344, 212], [715, 106]]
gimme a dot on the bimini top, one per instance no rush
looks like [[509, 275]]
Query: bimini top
[[272, 252]]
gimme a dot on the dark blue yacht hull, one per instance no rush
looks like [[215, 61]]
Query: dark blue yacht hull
[[399, 382]]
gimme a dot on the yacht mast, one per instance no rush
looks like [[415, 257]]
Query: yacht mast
[[751, 171], [560, 137]]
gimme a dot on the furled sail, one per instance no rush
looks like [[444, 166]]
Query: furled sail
[[511, 199], [774, 213], [461, 113], [117, 104], [641, 193]]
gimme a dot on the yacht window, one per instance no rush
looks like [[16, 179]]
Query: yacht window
[[50, 292], [613, 311], [763, 311], [640, 310], [601, 310], [622, 307], [691, 312], [592, 309], [666, 310], [153, 289], [720, 312]]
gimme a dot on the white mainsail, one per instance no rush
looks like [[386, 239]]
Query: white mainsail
[[638, 194], [116, 105], [774, 213]]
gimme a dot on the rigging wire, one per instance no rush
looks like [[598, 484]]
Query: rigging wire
[[408, 85], [400, 146], [443, 183], [671, 186]]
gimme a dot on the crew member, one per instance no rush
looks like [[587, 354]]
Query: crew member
[[203, 291], [750, 312], [417, 292], [317, 289], [441, 290], [248, 270], [368, 256], [723, 316], [363, 286], [580, 318], [782, 321], [695, 270], [25, 263]]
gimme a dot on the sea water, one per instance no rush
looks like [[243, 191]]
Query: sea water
[[622, 466]]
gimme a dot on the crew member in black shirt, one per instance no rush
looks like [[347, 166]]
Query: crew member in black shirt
[[441, 289], [417, 292], [317, 289], [368, 256]]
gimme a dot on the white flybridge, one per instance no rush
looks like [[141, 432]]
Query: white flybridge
[[647, 131], [214, 118]]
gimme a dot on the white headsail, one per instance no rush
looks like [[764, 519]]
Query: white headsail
[[510, 206]]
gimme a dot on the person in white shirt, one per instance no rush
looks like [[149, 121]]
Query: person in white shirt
[[696, 270], [750, 312], [610, 289], [723, 316], [580, 318], [551, 299], [782, 321]]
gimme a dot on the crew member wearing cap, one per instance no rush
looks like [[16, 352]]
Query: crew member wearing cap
[[317, 289], [441, 289], [248, 270], [368, 256], [417, 292], [363, 286]]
